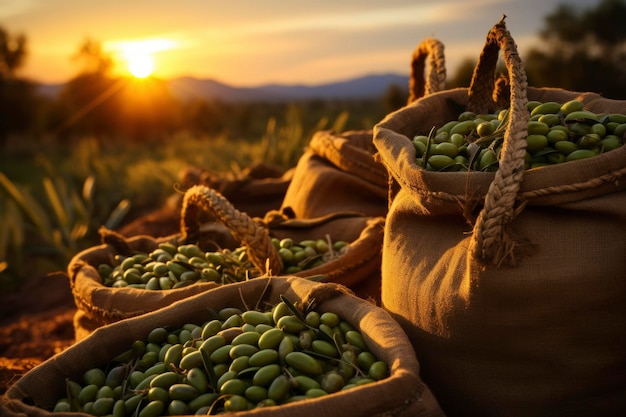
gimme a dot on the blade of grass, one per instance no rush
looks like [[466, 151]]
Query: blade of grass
[[79, 207], [79, 231], [118, 214], [58, 208], [340, 121], [11, 232], [33, 211], [89, 187]]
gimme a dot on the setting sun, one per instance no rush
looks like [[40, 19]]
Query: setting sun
[[141, 65], [139, 55]]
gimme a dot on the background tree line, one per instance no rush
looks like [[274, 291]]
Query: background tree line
[[581, 50]]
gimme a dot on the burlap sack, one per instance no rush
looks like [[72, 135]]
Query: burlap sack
[[510, 285], [401, 394], [358, 267], [338, 172], [97, 305]]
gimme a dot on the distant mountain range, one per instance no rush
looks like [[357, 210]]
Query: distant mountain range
[[185, 88]]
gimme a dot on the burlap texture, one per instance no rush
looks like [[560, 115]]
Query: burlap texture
[[98, 305], [543, 336], [421, 82], [357, 268], [401, 394], [338, 173]]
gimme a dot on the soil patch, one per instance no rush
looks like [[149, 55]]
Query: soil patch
[[36, 322]]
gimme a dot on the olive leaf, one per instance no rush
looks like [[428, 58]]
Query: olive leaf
[[212, 314], [70, 388], [296, 312], [473, 150], [208, 367], [316, 278], [426, 154], [248, 372]]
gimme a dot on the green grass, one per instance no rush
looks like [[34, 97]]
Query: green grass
[[54, 195]]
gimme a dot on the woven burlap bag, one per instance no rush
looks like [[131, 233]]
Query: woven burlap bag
[[510, 285], [358, 268], [338, 172], [401, 394], [97, 305]]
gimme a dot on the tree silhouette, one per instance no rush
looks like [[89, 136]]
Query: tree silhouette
[[86, 98], [17, 97], [584, 50], [12, 53], [463, 75], [93, 58], [395, 97]]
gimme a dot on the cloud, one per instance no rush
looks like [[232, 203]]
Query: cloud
[[431, 13], [11, 8]]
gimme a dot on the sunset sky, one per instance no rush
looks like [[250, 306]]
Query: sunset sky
[[253, 42]]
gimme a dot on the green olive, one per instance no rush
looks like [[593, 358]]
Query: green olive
[[556, 135], [549, 107], [487, 159], [536, 142], [538, 128], [378, 370], [463, 128], [485, 129], [446, 148], [571, 106], [549, 119], [438, 162], [580, 154]]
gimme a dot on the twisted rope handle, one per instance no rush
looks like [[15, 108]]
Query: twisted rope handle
[[421, 85], [200, 198], [491, 241]]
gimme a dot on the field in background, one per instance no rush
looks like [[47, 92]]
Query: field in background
[[56, 193]]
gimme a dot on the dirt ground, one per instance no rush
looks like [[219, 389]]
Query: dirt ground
[[35, 323]]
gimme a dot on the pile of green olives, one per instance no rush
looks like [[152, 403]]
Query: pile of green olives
[[557, 133], [236, 360], [172, 266]]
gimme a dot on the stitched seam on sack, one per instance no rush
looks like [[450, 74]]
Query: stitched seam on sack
[[579, 186], [557, 189]]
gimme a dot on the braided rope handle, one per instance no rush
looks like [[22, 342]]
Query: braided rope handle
[[421, 85], [491, 241], [255, 237]]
